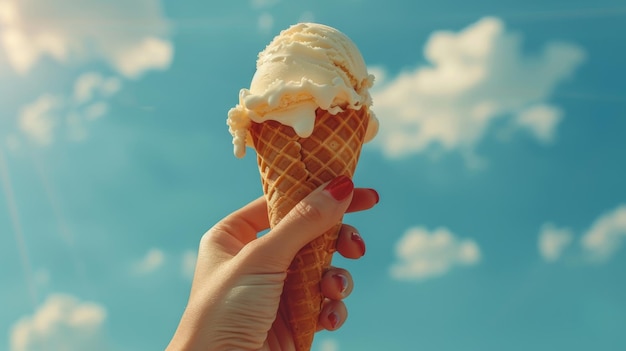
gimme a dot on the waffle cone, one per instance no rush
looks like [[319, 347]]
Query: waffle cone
[[291, 167]]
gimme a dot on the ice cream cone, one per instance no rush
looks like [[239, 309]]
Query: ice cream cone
[[291, 167]]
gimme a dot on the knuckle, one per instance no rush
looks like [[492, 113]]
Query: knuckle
[[207, 238], [308, 212]]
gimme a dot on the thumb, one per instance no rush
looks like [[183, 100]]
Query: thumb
[[310, 218]]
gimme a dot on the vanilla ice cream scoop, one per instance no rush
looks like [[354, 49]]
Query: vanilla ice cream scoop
[[307, 66]]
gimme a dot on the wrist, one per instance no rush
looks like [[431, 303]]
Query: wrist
[[188, 336]]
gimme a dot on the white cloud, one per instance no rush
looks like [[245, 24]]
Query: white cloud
[[110, 86], [422, 254], [265, 22], [96, 110], [606, 235], [61, 323], [37, 119], [475, 77], [88, 102], [540, 120], [131, 36], [85, 85], [553, 241], [152, 261], [92, 83], [150, 54], [188, 263], [328, 345]]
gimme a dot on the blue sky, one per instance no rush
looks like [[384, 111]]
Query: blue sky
[[500, 165]]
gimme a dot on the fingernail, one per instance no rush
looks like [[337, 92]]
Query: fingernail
[[375, 194], [340, 187], [342, 282], [359, 241], [333, 318]]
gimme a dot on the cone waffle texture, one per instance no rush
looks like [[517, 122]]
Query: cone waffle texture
[[291, 167]]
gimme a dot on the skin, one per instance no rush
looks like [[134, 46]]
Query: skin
[[231, 255]]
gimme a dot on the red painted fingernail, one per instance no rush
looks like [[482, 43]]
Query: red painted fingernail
[[340, 187], [342, 282], [375, 194], [359, 241], [333, 318]]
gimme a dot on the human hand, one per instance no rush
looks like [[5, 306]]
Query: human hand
[[235, 294]]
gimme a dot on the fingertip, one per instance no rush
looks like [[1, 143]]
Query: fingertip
[[340, 188], [375, 194], [336, 284], [333, 315], [363, 199], [350, 244]]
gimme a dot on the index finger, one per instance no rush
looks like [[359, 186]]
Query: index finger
[[245, 223]]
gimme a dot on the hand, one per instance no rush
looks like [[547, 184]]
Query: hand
[[235, 294]]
